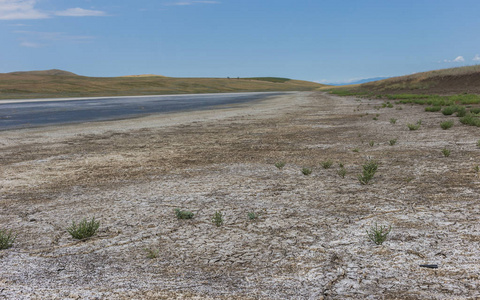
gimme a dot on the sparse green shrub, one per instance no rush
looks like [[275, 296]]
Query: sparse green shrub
[[7, 238], [378, 234], [306, 171], [369, 169], [327, 164], [399, 108], [342, 172], [470, 119], [477, 168], [280, 165], [375, 118], [152, 253], [413, 126], [393, 121], [446, 152], [183, 214], [433, 108], [461, 111], [478, 143], [392, 142], [446, 125], [475, 110], [252, 215], [419, 122], [356, 150], [218, 218], [340, 164], [389, 105], [84, 229], [449, 110], [371, 143]]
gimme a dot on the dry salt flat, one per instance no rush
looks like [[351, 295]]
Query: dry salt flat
[[309, 240]]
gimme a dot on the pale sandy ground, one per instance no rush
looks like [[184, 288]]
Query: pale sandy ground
[[309, 241]]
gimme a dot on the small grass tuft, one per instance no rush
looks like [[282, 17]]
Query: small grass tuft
[[369, 169], [393, 121], [413, 126], [327, 164], [446, 152], [280, 165], [7, 238], [218, 218], [306, 171], [356, 150], [152, 253], [378, 234], [392, 142], [342, 172], [446, 125], [84, 229], [183, 214], [252, 215]]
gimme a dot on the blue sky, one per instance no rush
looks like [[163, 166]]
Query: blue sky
[[317, 40]]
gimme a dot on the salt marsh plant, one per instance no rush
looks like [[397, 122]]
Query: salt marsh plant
[[378, 234], [413, 126], [152, 253], [306, 171], [327, 164], [183, 214], [7, 238], [342, 172], [446, 152], [217, 218], [433, 108], [280, 165], [84, 229], [252, 215], [446, 125], [369, 170]]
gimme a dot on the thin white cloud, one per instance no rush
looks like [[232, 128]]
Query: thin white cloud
[[26, 10], [30, 44], [456, 60], [476, 58], [187, 2], [20, 10], [80, 12], [37, 39]]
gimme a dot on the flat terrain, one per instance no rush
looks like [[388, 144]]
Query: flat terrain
[[309, 241], [37, 112]]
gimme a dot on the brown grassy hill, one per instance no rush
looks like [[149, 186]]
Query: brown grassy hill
[[445, 81], [57, 83]]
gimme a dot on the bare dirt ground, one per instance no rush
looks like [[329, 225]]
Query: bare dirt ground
[[309, 241]]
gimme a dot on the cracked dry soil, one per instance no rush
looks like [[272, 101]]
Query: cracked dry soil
[[309, 241]]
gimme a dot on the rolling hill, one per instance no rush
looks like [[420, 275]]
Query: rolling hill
[[444, 81], [58, 83]]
